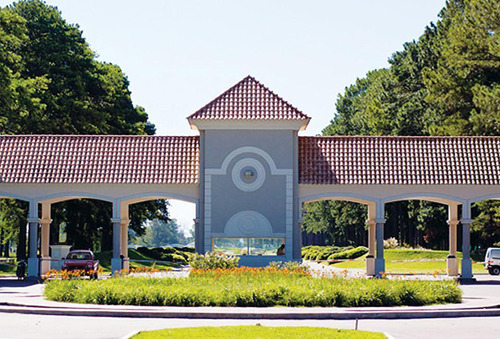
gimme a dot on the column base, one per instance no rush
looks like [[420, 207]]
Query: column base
[[370, 266], [452, 266], [379, 267], [126, 263], [45, 265], [33, 267], [466, 269], [116, 265]]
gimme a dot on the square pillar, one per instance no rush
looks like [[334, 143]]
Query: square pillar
[[116, 260], [466, 261], [124, 243], [44, 246], [451, 259], [33, 262], [379, 260], [372, 244]]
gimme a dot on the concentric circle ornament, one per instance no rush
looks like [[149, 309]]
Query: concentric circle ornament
[[248, 223], [248, 175]]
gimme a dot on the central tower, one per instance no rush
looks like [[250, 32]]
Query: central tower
[[249, 172]]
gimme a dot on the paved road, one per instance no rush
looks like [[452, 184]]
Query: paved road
[[13, 326], [16, 326]]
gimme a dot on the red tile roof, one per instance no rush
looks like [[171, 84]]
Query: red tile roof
[[99, 159], [248, 100], [322, 160], [346, 160]]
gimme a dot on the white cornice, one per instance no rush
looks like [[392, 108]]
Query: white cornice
[[296, 125]]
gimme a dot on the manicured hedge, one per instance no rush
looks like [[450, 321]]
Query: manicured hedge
[[179, 255], [252, 287], [350, 254], [332, 252]]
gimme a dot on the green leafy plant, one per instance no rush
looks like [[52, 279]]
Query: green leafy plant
[[350, 254], [212, 260], [253, 287]]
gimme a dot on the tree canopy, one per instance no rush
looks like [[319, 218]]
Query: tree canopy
[[52, 83], [447, 82]]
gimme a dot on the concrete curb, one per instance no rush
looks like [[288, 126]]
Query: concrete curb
[[274, 314]]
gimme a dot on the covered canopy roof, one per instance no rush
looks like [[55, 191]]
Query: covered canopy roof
[[106, 159], [339, 160], [376, 160]]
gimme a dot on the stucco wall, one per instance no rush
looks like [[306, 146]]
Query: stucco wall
[[273, 200], [219, 143]]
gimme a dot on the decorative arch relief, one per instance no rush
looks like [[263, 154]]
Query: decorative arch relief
[[248, 223]]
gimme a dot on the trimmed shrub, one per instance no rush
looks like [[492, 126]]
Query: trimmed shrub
[[328, 251], [349, 254], [165, 254], [322, 252], [212, 260]]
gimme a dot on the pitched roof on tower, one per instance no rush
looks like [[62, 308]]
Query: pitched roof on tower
[[247, 101]]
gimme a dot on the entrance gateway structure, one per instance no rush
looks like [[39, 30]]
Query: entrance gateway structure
[[249, 173]]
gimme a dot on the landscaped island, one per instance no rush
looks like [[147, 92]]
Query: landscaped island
[[250, 332], [253, 287]]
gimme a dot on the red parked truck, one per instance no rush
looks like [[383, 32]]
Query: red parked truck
[[81, 260]]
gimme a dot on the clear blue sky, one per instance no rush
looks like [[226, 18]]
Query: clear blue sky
[[179, 55]]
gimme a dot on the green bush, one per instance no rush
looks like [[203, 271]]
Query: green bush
[[212, 260], [185, 249], [310, 252], [253, 288], [322, 252], [327, 251], [349, 254], [178, 255]]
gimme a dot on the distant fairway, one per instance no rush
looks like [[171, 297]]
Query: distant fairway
[[412, 261]]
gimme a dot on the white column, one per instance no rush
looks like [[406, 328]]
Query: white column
[[379, 259], [466, 261], [124, 243], [33, 221], [45, 239], [116, 261], [451, 260], [372, 245]]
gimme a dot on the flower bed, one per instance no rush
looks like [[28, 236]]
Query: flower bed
[[253, 287]]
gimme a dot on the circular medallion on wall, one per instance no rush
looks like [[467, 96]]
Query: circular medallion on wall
[[248, 175]]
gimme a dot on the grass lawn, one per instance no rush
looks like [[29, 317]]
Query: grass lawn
[[249, 332], [394, 257], [7, 269], [253, 287]]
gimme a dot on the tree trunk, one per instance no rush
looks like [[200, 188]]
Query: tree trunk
[[6, 251]]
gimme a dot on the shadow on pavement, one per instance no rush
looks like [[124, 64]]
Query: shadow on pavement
[[13, 282], [491, 282]]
